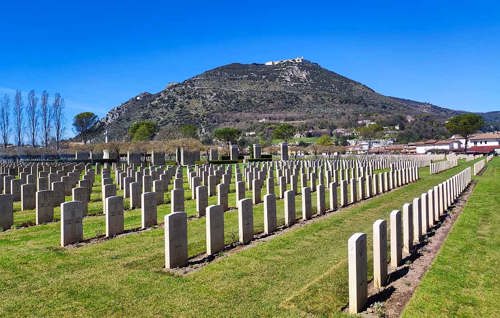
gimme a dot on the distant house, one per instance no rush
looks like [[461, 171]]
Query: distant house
[[369, 145], [343, 131], [445, 145], [393, 148], [484, 143], [366, 122]]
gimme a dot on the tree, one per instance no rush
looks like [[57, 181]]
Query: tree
[[189, 131], [45, 116], [4, 119], [18, 116], [32, 112], [324, 140], [57, 117], [464, 125], [284, 132], [370, 132], [83, 122], [227, 134], [142, 131]]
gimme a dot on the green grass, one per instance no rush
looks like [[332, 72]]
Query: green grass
[[463, 281], [301, 271]]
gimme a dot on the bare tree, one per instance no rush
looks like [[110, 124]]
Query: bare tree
[[32, 112], [4, 119], [18, 114], [45, 116], [57, 117]]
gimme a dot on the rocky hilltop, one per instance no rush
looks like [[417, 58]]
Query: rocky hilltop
[[296, 90]]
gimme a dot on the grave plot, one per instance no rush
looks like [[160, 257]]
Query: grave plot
[[317, 190]]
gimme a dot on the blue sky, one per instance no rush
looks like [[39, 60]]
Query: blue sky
[[98, 54]]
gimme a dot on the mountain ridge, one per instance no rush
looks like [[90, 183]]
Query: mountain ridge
[[242, 95]]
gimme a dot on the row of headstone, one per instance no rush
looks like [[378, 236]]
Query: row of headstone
[[437, 167], [43, 201], [406, 231], [479, 166], [133, 188], [72, 214], [176, 236]]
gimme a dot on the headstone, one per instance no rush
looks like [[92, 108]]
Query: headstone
[[284, 151], [44, 207], [320, 199], [379, 253], [256, 151], [358, 266], [148, 209], [240, 191], [215, 229], [407, 227], [15, 189], [58, 189], [353, 191], [256, 190], [234, 153], [158, 189], [177, 200], [430, 207], [201, 200], [289, 207], [343, 193], [71, 222], [417, 220], [176, 243], [245, 220], [81, 194], [282, 186], [396, 238], [135, 195], [28, 197], [126, 186], [67, 185], [6, 212], [114, 216], [6, 184], [333, 196], [424, 213], [147, 183], [109, 190], [270, 185], [306, 203], [222, 196], [269, 213], [195, 182]]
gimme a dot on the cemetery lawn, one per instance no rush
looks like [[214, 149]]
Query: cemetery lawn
[[464, 279], [303, 271]]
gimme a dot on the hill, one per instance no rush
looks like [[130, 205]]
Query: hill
[[246, 95]]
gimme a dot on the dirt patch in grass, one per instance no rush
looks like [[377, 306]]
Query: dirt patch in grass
[[390, 300]]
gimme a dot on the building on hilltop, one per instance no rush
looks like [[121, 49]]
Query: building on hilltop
[[295, 60]]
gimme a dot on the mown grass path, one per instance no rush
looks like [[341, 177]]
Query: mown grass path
[[464, 279], [303, 270]]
